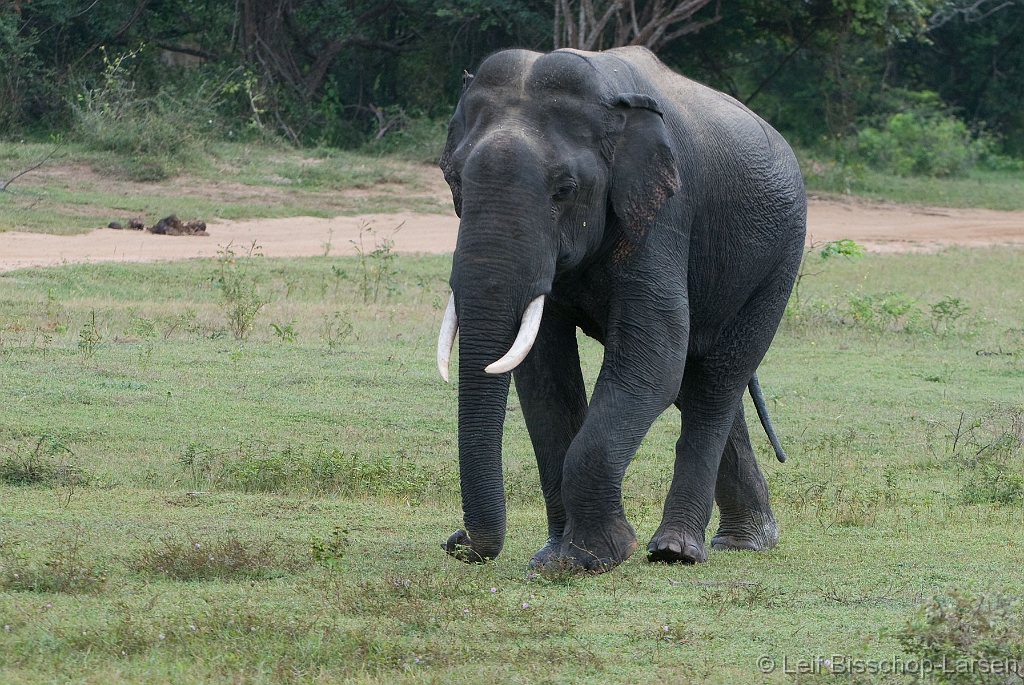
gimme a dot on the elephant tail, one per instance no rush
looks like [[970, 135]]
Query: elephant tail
[[762, 413]]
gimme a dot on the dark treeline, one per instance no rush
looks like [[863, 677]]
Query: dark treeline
[[341, 72]]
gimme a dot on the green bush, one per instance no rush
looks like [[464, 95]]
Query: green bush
[[152, 136], [888, 311], [991, 471], [988, 453], [963, 635], [923, 141]]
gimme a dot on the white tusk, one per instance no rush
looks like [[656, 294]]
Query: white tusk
[[445, 341], [528, 330]]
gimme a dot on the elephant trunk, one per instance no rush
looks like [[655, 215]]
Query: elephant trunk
[[486, 333], [482, 402], [481, 419], [504, 263]]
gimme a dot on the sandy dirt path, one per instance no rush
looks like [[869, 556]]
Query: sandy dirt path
[[880, 227]]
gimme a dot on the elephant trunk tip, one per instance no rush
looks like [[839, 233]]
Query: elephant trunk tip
[[460, 546]]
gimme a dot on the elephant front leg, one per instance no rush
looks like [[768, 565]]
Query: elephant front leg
[[747, 522], [553, 396], [631, 392]]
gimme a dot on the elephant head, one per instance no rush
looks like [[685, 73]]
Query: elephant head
[[550, 161]]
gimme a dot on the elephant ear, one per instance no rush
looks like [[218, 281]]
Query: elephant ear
[[643, 167], [450, 174], [455, 133]]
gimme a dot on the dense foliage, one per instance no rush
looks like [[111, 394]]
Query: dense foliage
[[344, 72]]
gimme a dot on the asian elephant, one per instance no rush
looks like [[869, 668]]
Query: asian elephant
[[663, 218]]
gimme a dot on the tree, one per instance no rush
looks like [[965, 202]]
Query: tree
[[598, 25]]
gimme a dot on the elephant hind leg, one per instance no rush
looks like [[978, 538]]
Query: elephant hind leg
[[747, 522], [713, 428], [706, 424]]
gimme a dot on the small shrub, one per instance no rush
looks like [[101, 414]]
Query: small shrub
[[377, 266], [189, 558], [888, 311], [242, 299], [172, 323], [969, 630], [259, 470], [994, 477], [337, 472], [89, 337], [329, 550], [988, 454], [335, 329], [945, 314]]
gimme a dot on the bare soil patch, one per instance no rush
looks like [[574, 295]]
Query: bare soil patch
[[882, 227], [890, 227], [285, 237]]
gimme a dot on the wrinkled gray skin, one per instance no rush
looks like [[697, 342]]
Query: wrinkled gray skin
[[664, 219]]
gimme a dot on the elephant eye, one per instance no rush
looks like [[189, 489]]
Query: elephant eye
[[564, 190]]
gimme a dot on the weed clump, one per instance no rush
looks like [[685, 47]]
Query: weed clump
[[224, 558], [988, 454], [335, 329], [377, 270], [43, 461], [329, 550], [89, 337], [254, 466], [64, 569], [880, 313], [971, 630]]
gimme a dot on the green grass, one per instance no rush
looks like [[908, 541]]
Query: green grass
[[183, 506], [79, 189], [977, 188]]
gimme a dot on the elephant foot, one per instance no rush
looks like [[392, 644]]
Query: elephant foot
[[546, 556], [752, 533], [596, 553], [674, 546], [459, 545]]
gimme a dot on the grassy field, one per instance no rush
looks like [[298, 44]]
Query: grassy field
[[977, 188], [78, 190], [178, 504]]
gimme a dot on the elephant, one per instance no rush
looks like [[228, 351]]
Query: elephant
[[602, 191]]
